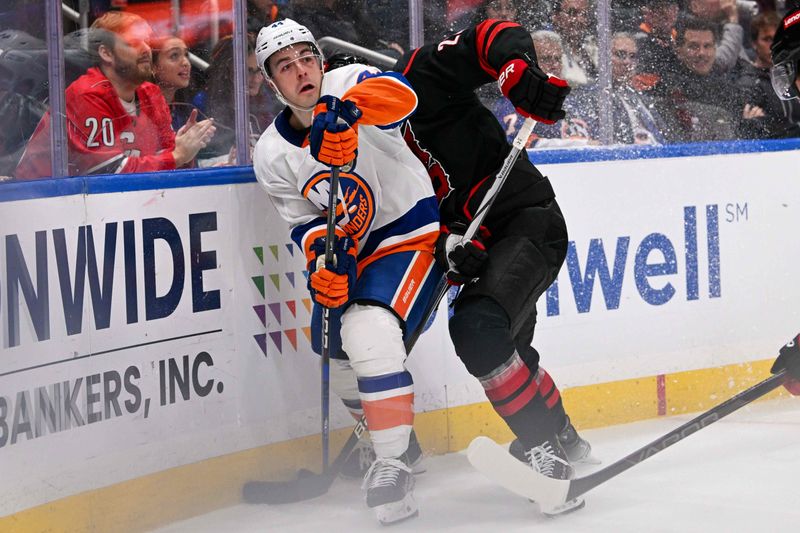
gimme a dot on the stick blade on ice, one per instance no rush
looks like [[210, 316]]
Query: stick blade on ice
[[494, 462], [307, 486]]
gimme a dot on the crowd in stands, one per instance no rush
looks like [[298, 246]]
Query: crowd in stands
[[680, 71]]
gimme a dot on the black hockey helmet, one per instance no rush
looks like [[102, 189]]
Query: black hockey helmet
[[340, 59], [786, 56]]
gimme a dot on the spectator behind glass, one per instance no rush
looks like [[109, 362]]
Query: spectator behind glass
[[261, 13], [633, 118], [117, 121], [781, 117], [698, 103], [723, 12], [572, 20], [217, 101], [349, 20], [655, 39], [172, 72]]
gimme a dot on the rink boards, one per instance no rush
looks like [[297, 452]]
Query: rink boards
[[155, 340]]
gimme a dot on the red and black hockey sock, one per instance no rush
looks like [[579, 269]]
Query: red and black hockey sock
[[528, 401], [522, 393]]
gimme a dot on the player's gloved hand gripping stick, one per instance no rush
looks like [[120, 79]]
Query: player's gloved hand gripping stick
[[333, 139], [309, 485], [464, 251]]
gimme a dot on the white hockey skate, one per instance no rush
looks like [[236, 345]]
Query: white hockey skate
[[389, 484]]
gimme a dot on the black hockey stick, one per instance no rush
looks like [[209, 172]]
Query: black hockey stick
[[497, 464], [325, 374], [309, 485]]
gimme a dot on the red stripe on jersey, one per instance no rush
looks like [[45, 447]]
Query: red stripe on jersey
[[480, 37], [469, 198], [408, 67], [486, 34]]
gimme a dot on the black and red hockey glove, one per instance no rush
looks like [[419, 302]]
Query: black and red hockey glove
[[533, 93], [789, 359], [462, 261]]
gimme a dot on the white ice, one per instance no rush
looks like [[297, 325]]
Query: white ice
[[738, 475]]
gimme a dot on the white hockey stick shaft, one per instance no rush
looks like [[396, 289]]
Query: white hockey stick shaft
[[519, 143]]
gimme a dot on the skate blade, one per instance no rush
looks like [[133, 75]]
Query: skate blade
[[393, 512], [589, 460], [565, 508], [419, 467]]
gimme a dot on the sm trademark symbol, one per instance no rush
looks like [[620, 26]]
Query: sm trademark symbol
[[736, 212]]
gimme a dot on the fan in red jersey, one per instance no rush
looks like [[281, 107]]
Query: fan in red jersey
[[117, 121]]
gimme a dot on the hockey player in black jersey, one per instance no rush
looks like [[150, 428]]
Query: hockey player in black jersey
[[523, 239], [786, 82]]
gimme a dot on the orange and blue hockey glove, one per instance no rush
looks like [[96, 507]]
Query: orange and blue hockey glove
[[334, 133], [330, 284]]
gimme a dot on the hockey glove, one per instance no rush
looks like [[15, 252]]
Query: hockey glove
[[334, 133], [789, 359], [330, 284], [463, 262], [533, 93]]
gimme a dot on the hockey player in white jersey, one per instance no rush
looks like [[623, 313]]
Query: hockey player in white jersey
[[387, 225]]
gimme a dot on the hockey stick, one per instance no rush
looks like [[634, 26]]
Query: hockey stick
[[517, 145], [494, 461], [325, 374], [309, 485]]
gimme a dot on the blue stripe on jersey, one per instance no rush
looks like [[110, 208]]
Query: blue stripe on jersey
[[287, 131], [423, 213], [298, 232], [385, 382], [430, 289]]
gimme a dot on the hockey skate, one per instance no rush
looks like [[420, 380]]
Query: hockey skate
[[389, 483], [363, 455], [552, 461], [578, 449], [549, 459]]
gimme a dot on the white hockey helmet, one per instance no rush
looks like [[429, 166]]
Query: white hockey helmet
[[277, 36]]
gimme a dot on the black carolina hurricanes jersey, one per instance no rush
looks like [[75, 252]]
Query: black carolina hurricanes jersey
[[452, 132]]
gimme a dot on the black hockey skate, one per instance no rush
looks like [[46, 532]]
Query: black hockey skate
[[578, 449], [389, 483], [363, 455], [549, 459]]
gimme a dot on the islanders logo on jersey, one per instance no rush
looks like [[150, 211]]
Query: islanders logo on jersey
[[355, 210]]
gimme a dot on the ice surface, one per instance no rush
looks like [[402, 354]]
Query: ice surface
[[738, 475]]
